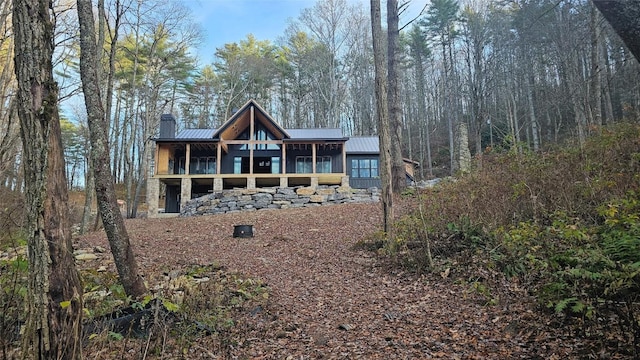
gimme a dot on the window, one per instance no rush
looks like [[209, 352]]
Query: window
[[261, 134], [211, 165], [275, 165], [304, 165], [323, 164], [364, 168], [237, 165], [181, 165], [194, 166], [200, 165]]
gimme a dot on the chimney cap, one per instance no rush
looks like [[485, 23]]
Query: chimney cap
[[165, 117]]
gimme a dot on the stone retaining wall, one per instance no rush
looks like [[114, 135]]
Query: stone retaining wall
[[230, 201]]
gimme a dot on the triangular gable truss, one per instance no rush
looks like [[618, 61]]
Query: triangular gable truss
[[246, 118]]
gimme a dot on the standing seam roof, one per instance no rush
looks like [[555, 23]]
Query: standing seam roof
[[363, 145], [320, 133], [196, 134]]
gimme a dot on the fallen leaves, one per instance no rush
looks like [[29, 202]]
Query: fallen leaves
[[328, 300]]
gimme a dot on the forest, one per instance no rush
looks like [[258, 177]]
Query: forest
[[527, 108], [517, 74]]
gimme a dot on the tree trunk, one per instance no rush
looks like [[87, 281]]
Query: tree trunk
[[98, 127], [54, 305], [398, 175], [623, 17], [382, 120], [596, 69], [89, 193]]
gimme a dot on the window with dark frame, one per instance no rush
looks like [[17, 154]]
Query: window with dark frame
[[304, 165], [364, 168]]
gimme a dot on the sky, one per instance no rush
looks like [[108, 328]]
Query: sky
[[228, 21]]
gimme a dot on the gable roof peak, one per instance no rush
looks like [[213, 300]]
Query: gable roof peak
[[241, 118]]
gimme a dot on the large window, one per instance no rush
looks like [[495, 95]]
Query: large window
[[261, 134], [200, 165], [364, 168], [275, 165], [305, 166], [323, 164]]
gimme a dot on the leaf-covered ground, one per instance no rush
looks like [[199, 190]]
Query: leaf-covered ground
[[329, 300]]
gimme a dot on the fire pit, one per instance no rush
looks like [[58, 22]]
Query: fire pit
[[243, 231]]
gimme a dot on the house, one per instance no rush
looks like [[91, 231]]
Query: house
[[251, 150]]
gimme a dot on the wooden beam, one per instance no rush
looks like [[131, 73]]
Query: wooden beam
[[283, 161], [344, 160], [187, 159], [313, 157], [218, 157], [241, 142]]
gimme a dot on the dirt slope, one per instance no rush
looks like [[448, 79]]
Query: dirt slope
[[328, 300]]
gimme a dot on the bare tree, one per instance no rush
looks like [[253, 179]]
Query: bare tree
[[382, 117], [398, 176], [54, 305], [112, 219]]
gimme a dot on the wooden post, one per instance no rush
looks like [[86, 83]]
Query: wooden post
[[187, 159], [313, 157], [218, 157], [283, 163], [251, 139], [344, 159]]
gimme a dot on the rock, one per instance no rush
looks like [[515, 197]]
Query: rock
[[318, 198], [326, 191], [267, 190], [262, 197], [241, 200], [305, 191], [302, 200], [99, 249], [86, 256]]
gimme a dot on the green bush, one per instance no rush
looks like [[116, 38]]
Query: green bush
[[564, 223]]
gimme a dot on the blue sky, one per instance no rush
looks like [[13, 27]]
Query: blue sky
[[227, 21]]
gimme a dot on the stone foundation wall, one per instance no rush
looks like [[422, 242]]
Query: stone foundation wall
[[230, 201]]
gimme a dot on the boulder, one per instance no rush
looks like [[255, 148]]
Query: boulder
[[305, 191], [317, 198]]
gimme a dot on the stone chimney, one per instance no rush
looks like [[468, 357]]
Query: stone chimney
[[167, 126]]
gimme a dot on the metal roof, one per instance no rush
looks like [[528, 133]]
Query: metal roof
[[196, 134], [315, 134], [363, 145], [359, 144]]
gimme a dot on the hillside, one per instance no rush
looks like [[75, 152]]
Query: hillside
[[325, 298]]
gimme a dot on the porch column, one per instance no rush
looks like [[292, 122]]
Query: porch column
[[252, 137], [153, 196], [313, 157], [284, 182], [218, 184], [251, 183], [284, 160], [344, 159], [187, 162], [185, 192], [218, 158]]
